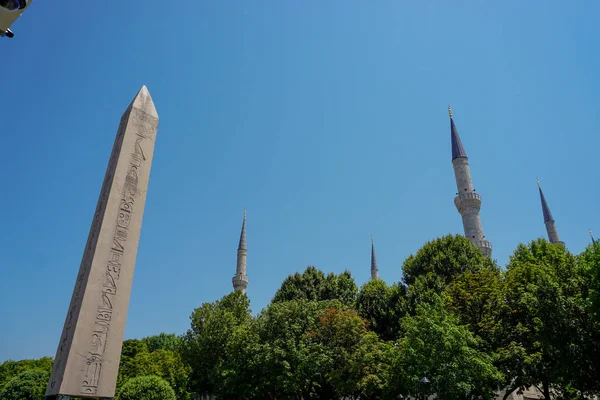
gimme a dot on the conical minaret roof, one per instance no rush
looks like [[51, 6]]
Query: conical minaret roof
[[242, 245], [545, 208], [457, 148], [374, 269]]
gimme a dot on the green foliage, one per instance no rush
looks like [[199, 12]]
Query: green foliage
[[313, 285], [476, 298], [382, 306], [130, 348], [204, 345], [291, 364], [545, 334], [162, 341], [589, 262], [9, 369], [165, 364], [27, 385], [435, 345], [155, 355], [445, 257], [358, 362], [424, 289], [457, 318], [146, 388]]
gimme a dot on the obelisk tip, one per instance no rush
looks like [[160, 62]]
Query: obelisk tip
[[143, 102]]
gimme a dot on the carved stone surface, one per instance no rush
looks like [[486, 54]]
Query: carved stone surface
[[89, 349]]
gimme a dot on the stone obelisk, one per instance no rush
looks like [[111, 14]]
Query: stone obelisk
[[89, 350]]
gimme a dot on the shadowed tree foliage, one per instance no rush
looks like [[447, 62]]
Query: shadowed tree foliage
[[359, 362], [445, 257], [589, 261], [382, 306], [476, 299], [313, 285], [27, 385], [545, 326], [589, 264]]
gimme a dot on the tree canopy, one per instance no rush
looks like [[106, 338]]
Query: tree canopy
[[314, 285], [27, 385], [146, 388], [471, 328]]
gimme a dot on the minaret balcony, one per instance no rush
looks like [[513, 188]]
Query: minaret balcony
[[240, 281], [484, 246], [467, 201]]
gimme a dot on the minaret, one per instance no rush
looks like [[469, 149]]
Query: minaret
[[548, 220], [374, 269], [467, 201], [592, 236], [240, 280]]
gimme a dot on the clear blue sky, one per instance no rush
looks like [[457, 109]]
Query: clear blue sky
[[326, 120]]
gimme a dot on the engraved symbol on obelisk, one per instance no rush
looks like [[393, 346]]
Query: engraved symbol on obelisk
[[89, 349]]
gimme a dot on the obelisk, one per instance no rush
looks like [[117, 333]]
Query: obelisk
[[89, 350]]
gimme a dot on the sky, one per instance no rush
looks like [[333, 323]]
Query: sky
[[326, 120]]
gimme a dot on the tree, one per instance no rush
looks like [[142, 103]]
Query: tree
[[27, 385], [545, 326], [341, 287], [476, 299], [204, 345], [239, 370], [589, 265], [435, 345], [589, 262], [162, 341], [165, 364], [358, 361], [382, 306], [313, 285], [288, 365], [146, 388], [445, 257], [129, 350], [425, 289], [9, 369]]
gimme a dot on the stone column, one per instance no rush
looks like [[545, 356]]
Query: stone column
[[89, 350]]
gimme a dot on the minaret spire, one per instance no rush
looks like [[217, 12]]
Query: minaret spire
[[548, 220], [240, 280], [374, 269], [467, 201], [592, 236], [457, 147]]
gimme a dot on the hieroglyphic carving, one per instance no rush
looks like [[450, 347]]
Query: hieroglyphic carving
[[88, 254], [94, 360]]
